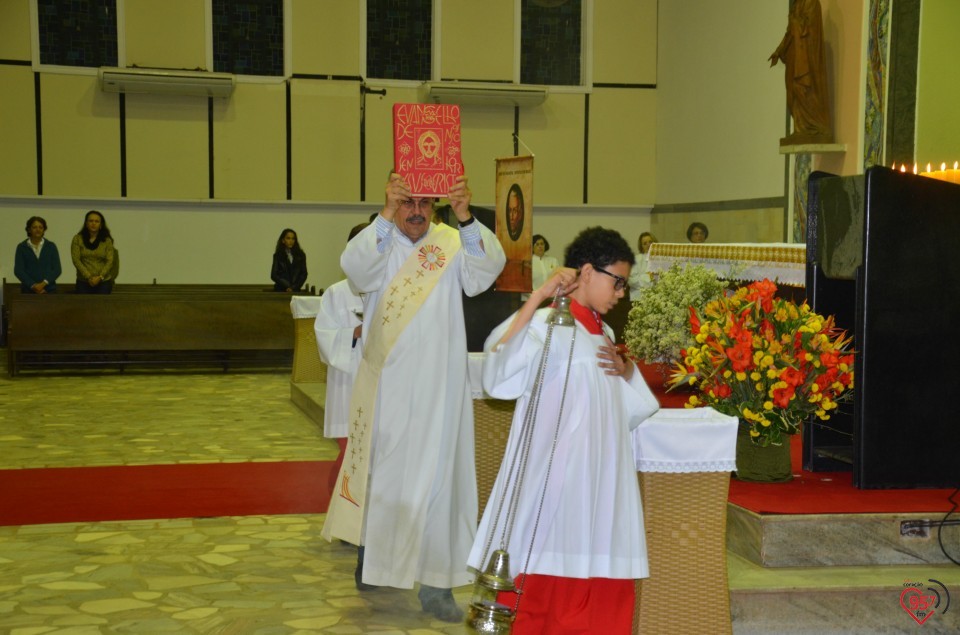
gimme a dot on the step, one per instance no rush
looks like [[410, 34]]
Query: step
[[839, 599], [813, 540]]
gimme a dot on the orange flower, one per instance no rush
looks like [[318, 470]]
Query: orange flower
[[782, 396], [792, 376], [694, 320], [740, 358]]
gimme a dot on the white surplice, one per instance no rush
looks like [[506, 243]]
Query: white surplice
[[591, 519], [339, 314], [422, 503]]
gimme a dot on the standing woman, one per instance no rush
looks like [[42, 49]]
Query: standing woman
[[37, 264], [289, 270], [542, 265], [640, 274], [93, 255]]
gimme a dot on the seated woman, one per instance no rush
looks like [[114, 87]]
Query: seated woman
[[93, 255], [289, 270], [37, 264]]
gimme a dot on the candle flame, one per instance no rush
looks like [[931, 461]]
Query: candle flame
[[928, 168], [903, 167], [943, 167], [956, 165], [914, 168]]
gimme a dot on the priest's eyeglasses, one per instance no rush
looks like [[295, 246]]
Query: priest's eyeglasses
[[619, 282], [422, 203]]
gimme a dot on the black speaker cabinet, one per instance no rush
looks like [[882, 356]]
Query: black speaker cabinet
[[883, 258]]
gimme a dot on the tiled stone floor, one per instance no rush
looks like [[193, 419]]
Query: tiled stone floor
[[242, 575]]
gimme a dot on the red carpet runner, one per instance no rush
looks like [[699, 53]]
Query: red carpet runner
[[831, 493], [81, 494], [87, 494], [812, 492]]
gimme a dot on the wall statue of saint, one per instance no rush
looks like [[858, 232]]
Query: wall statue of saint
[[801, 51]]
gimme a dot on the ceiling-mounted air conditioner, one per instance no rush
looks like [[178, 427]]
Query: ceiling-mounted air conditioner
[[156, 81], [482, 93]]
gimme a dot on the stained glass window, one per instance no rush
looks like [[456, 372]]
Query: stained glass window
[[248, 37], [550, 41], [399, 34], [78, 32]]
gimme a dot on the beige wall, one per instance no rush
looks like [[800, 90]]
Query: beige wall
[[692, 119], [326, 37], [233, 241], [938, 84], [720, 107], [15, 30], [756, 225], [18, 132], [843, 23], [471, 27], [168, 34]]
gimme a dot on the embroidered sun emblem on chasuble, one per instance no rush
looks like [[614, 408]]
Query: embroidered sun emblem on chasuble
[[432, 257]]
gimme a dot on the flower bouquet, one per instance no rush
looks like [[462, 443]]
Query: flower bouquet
[[767, 361]]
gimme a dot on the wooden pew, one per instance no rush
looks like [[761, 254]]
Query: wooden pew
[[156, 326]]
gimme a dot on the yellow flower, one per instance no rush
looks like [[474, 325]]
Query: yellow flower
[[741, 376], [768, 405], [765, 423], [755, 376], [727, 374], [754, 433], [772, 373], [759, 387]]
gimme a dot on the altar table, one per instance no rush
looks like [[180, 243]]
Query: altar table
[[784, 263]]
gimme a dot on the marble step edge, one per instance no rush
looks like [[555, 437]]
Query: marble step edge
[[310, 398], [819, 540]]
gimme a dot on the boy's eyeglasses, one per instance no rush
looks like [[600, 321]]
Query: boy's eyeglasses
[[619, 282]]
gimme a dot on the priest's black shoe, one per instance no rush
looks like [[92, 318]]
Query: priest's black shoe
[[440, 604], [358, 574]]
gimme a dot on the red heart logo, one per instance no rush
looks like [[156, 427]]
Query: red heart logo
[[917, 605]]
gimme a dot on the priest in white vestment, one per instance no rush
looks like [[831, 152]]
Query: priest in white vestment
[[577, 533], [420, 506]]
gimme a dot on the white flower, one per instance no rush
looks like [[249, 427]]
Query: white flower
[[658, 326]]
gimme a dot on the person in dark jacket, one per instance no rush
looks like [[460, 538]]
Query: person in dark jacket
[[289, 270], [37, 263]]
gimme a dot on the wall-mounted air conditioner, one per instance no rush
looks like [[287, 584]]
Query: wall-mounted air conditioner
[[156, 81], [482, 93]]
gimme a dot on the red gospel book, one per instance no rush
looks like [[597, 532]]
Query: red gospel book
[[426, 147]]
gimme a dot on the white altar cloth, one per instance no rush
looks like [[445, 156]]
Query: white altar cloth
[[305, 306], [686, 440]]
